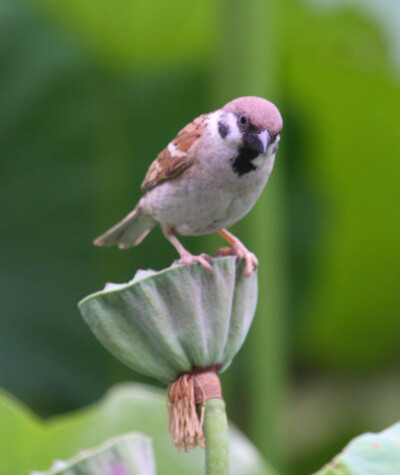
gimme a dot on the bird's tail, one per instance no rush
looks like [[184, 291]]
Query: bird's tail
[[129, 232]]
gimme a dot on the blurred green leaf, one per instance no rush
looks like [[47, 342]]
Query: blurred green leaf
[[127, 454], [385, 14], [140, 34], [345, 105], [29, 443], [368, 454], [75, 142]]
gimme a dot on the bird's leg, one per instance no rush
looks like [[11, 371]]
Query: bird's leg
[[239, 250], [186, 257]]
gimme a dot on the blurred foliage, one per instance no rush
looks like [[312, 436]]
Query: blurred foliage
[[247, 32], [349, 141], [368, 454], [132, 35], [69, 131], [29, 443], [91, 92], [121, 455]]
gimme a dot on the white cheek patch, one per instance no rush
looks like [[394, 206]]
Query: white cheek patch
[[212, 125], [233, 137]]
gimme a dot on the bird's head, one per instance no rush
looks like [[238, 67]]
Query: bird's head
[[250, 123]]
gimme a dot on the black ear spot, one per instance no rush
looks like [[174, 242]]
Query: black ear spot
[[223, 129]]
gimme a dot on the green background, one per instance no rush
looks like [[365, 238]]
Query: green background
[[91, 91]]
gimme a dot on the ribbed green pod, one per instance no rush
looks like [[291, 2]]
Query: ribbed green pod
[[161, 324]]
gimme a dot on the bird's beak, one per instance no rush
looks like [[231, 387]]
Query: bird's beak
[[263, 138], [259, 141]]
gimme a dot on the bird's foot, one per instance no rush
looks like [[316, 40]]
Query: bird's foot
[[241, 252], [188, 259]]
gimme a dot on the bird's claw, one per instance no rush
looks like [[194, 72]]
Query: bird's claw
[[203, 259], [241, 252]]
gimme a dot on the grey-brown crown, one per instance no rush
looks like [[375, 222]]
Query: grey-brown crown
[[262, 113]]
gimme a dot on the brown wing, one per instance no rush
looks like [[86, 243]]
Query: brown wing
[[177, 156]]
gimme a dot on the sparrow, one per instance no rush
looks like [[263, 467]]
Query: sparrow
[[205, 180]]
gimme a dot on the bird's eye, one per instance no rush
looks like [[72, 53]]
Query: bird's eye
[[243, 120]]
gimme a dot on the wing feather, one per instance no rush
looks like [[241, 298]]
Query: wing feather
[[177, 156]]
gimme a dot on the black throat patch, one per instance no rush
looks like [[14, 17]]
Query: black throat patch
[[242, 164]]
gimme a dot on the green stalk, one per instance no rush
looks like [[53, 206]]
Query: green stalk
[[247, 63], [216, 434]]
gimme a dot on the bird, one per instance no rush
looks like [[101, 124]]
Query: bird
[[206, 179]]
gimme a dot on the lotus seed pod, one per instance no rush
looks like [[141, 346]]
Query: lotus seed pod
[[166, 323], [128, 454]]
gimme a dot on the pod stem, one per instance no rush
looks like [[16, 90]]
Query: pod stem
[[216, 436]]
